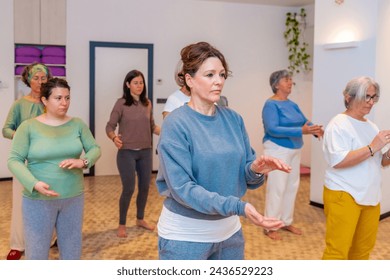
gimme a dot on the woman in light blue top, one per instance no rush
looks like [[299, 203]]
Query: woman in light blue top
[[284, 125], [206, 166]]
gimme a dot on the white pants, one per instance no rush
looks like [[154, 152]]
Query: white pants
[[17, 231], [282, 187]]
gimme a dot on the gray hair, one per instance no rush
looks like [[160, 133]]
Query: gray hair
[[179, 77], [276, 77], [357, 89]]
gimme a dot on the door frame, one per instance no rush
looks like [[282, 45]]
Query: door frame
[[92, 54]]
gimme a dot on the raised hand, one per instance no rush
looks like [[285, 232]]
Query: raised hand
[[259, 220], [380, 140], [265, 164]]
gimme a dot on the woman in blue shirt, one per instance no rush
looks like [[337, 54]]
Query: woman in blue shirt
[[284, 125], [206, 166]]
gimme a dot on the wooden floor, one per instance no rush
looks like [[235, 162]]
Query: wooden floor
[[101, 219]]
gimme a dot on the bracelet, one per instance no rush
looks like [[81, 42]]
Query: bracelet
[[258, 175], [113, 138], [387, 155], [369, 147]]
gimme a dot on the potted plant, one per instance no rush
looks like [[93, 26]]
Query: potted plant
[[297, 47]]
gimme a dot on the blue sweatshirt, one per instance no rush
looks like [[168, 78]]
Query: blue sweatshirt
[[205, 163], [283, 121]]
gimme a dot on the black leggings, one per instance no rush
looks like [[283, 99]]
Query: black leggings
[[129, 163]]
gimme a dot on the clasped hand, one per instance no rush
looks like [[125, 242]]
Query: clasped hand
[[314, 129]]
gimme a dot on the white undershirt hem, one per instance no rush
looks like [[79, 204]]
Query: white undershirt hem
[[173, 226]]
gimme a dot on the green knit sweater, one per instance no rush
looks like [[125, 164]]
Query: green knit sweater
[[44, 147], [22, 109]]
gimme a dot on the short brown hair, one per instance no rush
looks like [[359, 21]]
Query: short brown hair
[[194, 55]]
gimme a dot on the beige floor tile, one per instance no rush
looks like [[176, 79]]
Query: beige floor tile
[[101, 220]]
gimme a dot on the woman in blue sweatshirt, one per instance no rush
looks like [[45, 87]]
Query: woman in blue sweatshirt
[[206, 166]]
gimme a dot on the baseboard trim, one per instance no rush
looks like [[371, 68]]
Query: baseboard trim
[[384, 215], [6, 179], [316, 204]]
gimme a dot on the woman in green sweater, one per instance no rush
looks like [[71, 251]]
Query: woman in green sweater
[[53, 195], [29, 106]]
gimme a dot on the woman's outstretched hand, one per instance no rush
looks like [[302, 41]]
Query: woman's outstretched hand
[[265, 164], [259, 220], [44, 189]]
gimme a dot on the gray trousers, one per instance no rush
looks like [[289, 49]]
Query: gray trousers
[[130, 163], [41, 217]]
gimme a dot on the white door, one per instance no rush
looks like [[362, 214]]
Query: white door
[[111, 67]]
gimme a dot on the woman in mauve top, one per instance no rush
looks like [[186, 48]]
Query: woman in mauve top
[[133, 116]]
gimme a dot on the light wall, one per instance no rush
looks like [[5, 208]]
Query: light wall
[[382, 113], [334, 68], [302, 92], [250, 36], [6, 76]]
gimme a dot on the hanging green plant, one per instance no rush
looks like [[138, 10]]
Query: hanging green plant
[[297, 47]]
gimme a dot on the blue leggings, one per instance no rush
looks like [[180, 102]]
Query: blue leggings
[[129, 163], [41, 217]]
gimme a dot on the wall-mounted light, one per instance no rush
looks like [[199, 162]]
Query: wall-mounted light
[[343, 38], [339, 2], [341, 45]]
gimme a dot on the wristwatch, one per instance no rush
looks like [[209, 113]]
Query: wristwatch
[[86, 162]]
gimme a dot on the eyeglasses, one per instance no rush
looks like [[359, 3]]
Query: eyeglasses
[[37, 78], [374, 98]]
